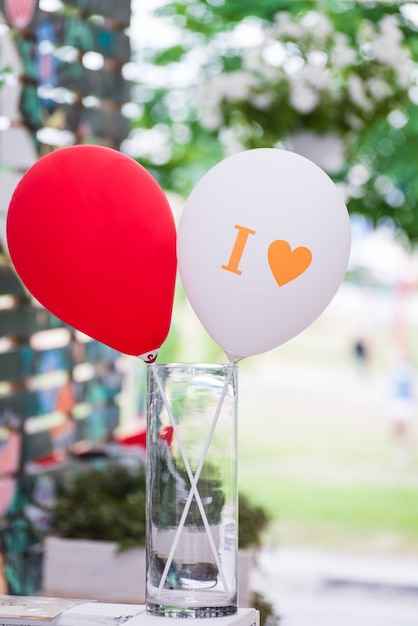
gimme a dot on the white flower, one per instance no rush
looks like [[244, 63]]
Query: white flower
[[232, 86], [359, 174], [318, 58], [402, 66], [274, 53], [357, 93], [342, 55], [209, 96], [262, 101], [152, 143], [304, 65], [211, 119], [386, 48], [269, 74], [365, 32], [293, 64], [389, 27], [354, 122], [285, 27], [303, 98], [378, 88], [252, 59], [231, 141], [317, 25], [395, 197], [318, 77], [237, 85]]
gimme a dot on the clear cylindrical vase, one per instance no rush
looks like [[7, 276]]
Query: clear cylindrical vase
[[192, 506]]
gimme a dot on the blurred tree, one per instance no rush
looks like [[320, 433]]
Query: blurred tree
[[336, 81]]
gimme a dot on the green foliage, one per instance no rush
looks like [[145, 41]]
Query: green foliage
[[268, 615], [104, 503], [369, 139], [324, 465], [392, 186], [170, 56], [210, 18], [172, 483], [4, 72], [108, 504], [253, 520]]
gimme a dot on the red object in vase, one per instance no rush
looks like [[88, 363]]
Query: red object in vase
[[167, 434], [137, 439]]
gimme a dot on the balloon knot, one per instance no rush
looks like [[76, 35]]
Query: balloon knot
[[149, 357]]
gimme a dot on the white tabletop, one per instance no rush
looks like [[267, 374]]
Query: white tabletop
[[92, 613]]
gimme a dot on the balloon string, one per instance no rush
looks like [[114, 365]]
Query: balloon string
[[193, 479]]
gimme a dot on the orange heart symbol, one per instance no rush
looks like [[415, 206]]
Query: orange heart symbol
[[287, 264]]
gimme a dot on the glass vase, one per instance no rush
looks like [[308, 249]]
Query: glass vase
[[192, 506]]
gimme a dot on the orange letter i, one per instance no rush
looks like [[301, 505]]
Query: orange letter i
[[238, 249]]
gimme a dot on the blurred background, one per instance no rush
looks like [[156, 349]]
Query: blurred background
[[328, 423]]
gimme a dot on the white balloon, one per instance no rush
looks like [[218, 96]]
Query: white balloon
[[263, 245]]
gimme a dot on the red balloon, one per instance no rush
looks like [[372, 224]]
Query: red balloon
[[92, 236]]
